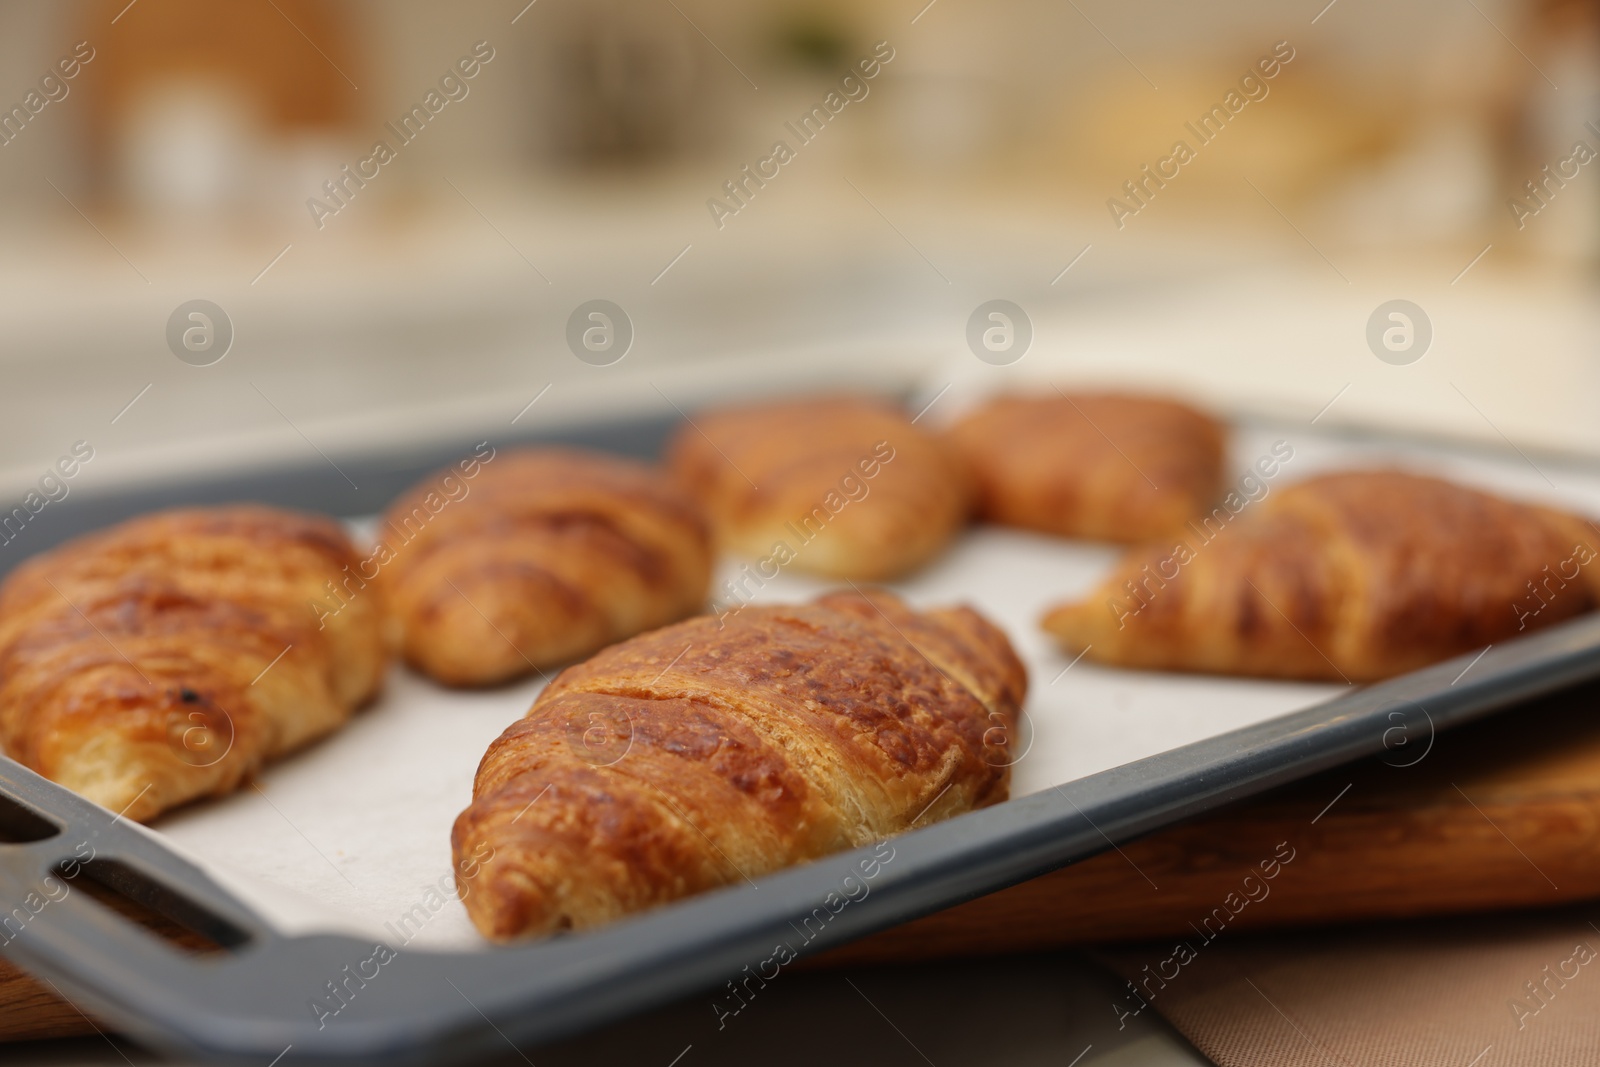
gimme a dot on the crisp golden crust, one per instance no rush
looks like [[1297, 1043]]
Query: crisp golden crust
[[700, 753], [1347, 577], [848, 486], [539, 557], [1093, 465], [134, 662]]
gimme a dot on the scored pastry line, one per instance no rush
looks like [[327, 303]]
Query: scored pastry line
[[499, 631], [699, 831], [101, 632], [148, 682], [1102, 433], [765, 716], [1299, 631], [987, 706], [992, 709], [912, 643]]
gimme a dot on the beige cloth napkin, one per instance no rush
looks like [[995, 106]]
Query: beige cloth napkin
[[1485, 991]]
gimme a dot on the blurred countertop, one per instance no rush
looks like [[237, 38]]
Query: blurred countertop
[[441, 315]]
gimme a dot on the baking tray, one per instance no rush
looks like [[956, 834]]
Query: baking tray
[[257, 1000]]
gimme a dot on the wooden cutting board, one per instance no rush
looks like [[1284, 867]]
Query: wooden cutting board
[[1502, 814]]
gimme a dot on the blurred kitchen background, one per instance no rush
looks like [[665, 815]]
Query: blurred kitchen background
[[1383, 162]]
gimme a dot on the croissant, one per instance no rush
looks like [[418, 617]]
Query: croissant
[[1092, 465], [1348, 577], [500, 566], [167, 658], [703, 753], [837, 486]]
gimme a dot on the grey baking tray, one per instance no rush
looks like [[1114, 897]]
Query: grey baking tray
[[264, 995]]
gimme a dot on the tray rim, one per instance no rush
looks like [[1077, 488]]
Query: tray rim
[[557, 988]]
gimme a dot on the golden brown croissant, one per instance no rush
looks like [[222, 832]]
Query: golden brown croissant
[[1347, 577], [1102, 466], [167, 658], [506, 563], [701, 753], [838, 486]]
